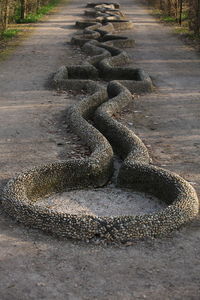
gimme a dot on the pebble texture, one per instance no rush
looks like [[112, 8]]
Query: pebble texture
[[106, 62]]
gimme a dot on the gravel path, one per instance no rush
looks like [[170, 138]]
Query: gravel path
[[31, 114], [33, 132]]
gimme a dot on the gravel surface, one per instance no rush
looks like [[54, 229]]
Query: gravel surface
[[37, 266]]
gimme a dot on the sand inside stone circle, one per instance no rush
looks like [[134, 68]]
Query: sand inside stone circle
[[107, 201]]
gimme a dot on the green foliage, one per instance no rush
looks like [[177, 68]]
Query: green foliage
[[31, 18], [182, 30], [185, 15], [168, 19], [9, 33], [163, 17], [34, 17]]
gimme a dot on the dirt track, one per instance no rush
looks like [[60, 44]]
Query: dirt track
[[36, 266]]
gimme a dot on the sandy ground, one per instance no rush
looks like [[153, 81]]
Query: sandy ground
[[33, 132], [106, 201]]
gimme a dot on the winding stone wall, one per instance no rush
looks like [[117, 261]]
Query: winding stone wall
[[106, 62]]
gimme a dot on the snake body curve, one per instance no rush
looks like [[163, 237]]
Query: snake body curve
[[106, 62]]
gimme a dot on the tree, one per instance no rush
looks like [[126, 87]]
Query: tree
[[4, 14], [180, 11], [23, 9]]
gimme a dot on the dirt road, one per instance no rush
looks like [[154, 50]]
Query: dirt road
[[37, 266]]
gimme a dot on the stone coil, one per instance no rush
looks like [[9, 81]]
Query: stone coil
[[106, 62]]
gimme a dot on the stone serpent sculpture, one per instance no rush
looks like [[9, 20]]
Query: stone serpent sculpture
[[136, 172]]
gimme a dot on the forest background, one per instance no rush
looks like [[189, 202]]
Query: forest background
[[186, 13]]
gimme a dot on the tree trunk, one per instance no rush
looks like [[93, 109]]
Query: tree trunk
[[198, 18], [161, 5], [38, 5], [180, 11], [176, 10], [169, 7], [23, 9], [5, 15]]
